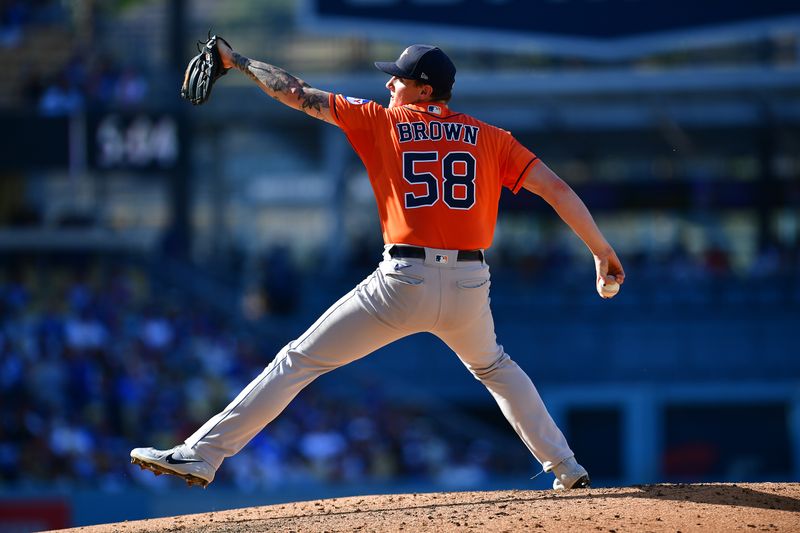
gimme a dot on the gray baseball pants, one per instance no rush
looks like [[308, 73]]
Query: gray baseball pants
[[403, 296]]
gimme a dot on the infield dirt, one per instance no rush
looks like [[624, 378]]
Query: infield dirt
[[714, 507]]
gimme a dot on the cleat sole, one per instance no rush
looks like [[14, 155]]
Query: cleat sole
[[159, 470], [582, 483]]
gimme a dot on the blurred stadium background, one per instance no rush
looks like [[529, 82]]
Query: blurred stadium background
[[154, 256]]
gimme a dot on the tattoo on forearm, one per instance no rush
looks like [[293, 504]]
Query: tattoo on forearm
[[277, 81]]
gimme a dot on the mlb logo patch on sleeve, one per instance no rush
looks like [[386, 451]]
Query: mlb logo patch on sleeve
[[357, 101]]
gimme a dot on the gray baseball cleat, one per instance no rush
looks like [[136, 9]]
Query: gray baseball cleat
[[178, 461], [570, 475]]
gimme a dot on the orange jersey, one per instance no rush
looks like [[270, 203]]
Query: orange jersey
[[436, 174]]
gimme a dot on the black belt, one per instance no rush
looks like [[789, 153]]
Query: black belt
[[415, 252]]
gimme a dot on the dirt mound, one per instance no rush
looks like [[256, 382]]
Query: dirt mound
[[684, 508]]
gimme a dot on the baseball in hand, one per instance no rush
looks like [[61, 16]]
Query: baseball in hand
[[608, 288]]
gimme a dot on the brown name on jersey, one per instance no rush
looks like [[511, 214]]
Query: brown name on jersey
[[437, 131]]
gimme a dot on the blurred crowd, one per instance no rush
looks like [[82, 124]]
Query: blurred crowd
[[17, 15], [90, 77], [97, 360], [87, 80]]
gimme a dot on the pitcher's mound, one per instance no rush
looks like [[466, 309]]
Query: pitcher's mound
[[715, 507]]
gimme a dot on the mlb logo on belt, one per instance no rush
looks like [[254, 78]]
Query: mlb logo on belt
[[440, 258]]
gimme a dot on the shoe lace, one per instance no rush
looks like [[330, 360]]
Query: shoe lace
[[539, 474]]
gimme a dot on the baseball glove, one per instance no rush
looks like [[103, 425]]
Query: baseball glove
[[203, 71]]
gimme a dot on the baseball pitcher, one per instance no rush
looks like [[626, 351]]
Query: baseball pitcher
[[437, 176]]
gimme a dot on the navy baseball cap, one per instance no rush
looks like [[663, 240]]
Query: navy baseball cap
[[425, 63]]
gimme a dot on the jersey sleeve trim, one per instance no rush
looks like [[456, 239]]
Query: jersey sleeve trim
[[518, 184], [332, 103]]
